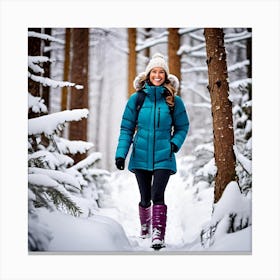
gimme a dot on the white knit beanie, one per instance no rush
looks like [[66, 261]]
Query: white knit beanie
[[157, 61]]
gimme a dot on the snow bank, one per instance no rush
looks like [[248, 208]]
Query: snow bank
[[76, 234]]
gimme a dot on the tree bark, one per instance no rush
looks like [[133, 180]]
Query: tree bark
[[79, 75], [47, 71], [249, 57], [221, 110], [147, 51], [131, 59], [64, 90], [174, 60], [34, 49]]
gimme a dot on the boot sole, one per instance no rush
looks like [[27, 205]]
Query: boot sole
[[157, 247]]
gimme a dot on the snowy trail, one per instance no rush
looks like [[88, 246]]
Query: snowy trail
[[185, 218]]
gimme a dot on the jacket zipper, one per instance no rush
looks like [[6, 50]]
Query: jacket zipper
[[154, 144], [158, 117]]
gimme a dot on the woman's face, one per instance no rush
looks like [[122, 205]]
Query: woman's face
[[157, 76]]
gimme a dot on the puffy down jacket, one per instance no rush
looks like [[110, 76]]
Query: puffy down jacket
[[151, 148]]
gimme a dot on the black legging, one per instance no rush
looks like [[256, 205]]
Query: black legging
[[152, 185]]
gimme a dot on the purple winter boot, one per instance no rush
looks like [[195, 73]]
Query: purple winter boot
[[145, 220], [159, 225]]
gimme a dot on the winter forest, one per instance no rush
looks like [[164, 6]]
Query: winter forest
[[79, 80]]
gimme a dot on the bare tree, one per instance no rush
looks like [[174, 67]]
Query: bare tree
[[221, 110], [131, 59], [79, 75]]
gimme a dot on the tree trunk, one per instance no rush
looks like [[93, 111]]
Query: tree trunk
[[221, 110], [34, 49], [131, 59], [47, 71], [147, 51], [174, 60], [79, 75], [249, 57], [64, 90]]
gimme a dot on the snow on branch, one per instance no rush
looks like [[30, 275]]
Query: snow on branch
[[42, 180], [36, 104], [186, 49], [44, 37], [34, 60], [49, 160], [245, 162], [58, 176], [88, 161], [50, 124], [203, 96], [238, 65], [73, 147], [183, 31], [160, 39], [52, 83], [243, 83]]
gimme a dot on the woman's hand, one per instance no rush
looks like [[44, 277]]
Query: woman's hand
[[174, 148], [120, 163]]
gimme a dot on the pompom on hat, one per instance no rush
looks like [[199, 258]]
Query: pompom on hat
[[157, 61]]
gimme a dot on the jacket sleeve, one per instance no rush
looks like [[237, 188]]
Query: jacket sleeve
[[181, 123], [127, 128]]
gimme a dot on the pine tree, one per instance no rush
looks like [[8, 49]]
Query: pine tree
[[54, 182]]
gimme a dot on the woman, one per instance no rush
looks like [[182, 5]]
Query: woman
[[157, 131]]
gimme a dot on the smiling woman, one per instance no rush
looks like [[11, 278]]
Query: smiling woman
[[157, 76], [158, 137]]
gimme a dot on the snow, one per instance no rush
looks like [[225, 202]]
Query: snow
[[94, 234], [36, 104], [245, 162], [116, 226], [56, 175], [265, 228], [66, 146], [49, 124], [52, 83]]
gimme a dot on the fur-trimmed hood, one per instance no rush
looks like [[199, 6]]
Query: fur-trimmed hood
[[140, 78]]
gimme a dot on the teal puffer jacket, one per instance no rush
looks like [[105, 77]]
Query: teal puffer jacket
[[152, 141]]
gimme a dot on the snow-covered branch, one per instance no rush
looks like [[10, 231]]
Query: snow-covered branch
[[50, 124], [87, 162], [58, 176], [36, 104], [185, 49], [52, 83], [33, 60], [242, 82], [245, 162], [66, 146], [150, 42], [203, 96], [44, 37]]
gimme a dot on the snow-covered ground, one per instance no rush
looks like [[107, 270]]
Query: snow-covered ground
[[115, 227]]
